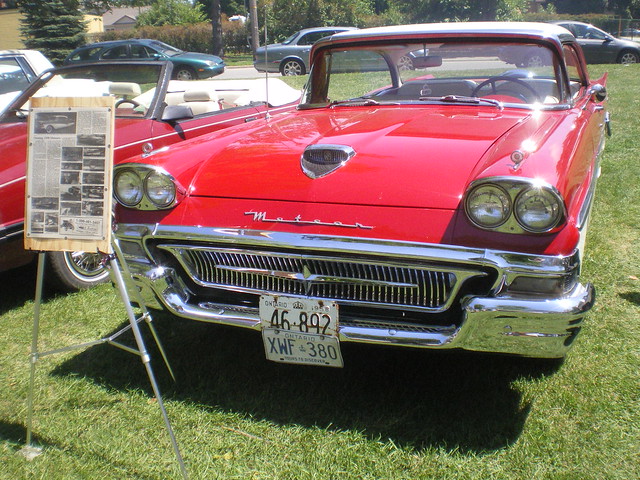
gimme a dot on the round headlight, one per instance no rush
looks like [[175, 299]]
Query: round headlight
[[488, 206], [160, 189], [128, 188], [538, 209]]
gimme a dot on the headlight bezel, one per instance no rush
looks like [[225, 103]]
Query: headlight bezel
[[117, 192], [147, 200], [498, 191], [515, 188], [557, 204]]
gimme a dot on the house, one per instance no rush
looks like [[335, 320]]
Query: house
[[121, 18]]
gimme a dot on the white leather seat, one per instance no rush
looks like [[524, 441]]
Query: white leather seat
[[201, 101]]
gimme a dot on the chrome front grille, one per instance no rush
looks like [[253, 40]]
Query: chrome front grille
[[362, 282]]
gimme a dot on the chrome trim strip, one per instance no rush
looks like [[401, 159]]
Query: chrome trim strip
[[11, 182], [583, 215], [513, 262]]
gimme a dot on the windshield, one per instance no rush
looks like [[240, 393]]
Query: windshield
[[516, 74], [166, 49], [290, 39], [133, 87]]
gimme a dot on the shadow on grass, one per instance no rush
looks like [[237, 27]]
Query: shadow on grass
[[633, 297], [18, 287], [15, 434], [416, 398]]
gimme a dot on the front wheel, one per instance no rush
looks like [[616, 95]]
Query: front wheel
[[184, 73], [72, 271], [292, 67], [628, 56]]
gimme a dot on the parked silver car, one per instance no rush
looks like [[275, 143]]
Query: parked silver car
[[291, 57]]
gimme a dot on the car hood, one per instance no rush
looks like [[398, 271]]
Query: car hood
[[202, 57], [406, 157]]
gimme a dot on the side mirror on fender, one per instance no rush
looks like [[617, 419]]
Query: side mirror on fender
[[598, 93]]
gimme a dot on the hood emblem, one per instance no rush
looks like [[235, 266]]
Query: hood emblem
[[320, 160], [297, 220]]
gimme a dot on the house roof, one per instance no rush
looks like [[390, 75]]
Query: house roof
[[122, 15]]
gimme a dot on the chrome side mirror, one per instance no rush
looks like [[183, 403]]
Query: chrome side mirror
[[598, 93]]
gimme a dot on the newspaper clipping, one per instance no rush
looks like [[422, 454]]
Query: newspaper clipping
[[69, 174]]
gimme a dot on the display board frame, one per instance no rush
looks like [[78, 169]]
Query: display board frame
[[69, 174]]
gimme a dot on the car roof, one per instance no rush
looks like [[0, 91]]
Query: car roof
[[462, 29], [119, 42], [571, 22], [322, 29]]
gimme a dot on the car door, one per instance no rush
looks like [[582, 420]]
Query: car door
[[598, 46], [165, 133], [13, 145]]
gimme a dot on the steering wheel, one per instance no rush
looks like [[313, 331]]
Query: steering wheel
[[492, 81], [125, 100]]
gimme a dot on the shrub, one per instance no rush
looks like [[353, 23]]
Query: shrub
[[193, 38]]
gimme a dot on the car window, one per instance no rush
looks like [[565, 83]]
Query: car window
[[115, 53], [132, 86], [141, 52], [573, 70], [518, 74], [313, 37], [595, 34], [12, 76], [86, 54], [289, 39]]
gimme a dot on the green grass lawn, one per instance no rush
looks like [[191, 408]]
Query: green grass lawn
[[389, 414]]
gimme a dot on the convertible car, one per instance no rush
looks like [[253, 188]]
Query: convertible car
[[152, 112], [443, 207]]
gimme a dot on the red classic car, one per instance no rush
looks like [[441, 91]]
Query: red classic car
[[443, 206], [152, 112]]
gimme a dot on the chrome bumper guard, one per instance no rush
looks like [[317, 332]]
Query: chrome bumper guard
[[519, 324]]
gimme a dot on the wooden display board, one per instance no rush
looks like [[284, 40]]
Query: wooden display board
[[69, 172]]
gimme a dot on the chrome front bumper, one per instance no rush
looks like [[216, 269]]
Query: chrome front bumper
[[530, 325]]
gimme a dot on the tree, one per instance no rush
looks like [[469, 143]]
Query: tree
[[171, 12], [253, 24], [462, 10], [216, 25], [583, 6], [55, 27], [228, 7], [287, 16]]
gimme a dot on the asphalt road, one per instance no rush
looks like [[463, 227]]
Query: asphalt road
[[236, 73]]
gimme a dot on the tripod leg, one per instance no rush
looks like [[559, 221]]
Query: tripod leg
[[146, 360], [141, 305], [30, 451]]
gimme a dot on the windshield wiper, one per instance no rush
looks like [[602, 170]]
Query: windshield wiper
[[359, 101], [466, 100]]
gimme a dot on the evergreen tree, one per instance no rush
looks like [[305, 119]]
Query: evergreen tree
[[54, 27]]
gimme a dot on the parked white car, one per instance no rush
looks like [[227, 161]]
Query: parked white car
[[18, 68]]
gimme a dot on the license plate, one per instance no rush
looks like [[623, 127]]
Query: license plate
[[302, 331]]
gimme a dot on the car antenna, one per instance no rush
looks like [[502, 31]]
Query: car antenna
[[267, 115]]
